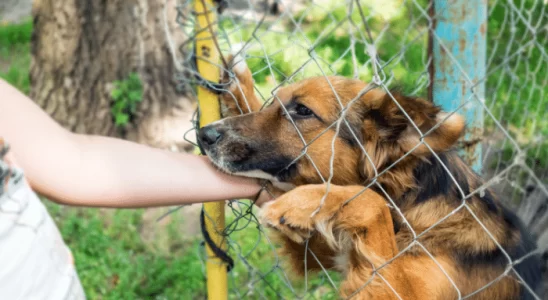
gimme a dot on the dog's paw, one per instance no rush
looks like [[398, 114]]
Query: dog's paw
[[299, 213]]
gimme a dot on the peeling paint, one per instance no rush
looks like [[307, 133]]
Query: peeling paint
[[483, 28], [459, 55]]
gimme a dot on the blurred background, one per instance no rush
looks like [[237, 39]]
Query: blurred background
[[121, 68]]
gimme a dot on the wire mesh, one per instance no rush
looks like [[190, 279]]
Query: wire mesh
[[385, 43]]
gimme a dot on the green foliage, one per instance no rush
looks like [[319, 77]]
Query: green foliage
[[16, 34], [112, 259], [15, 74], [319, 45], [126, 94], [516, 91], [15, 54], [113, 262]]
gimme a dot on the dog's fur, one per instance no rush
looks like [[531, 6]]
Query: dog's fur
[[363, 238]]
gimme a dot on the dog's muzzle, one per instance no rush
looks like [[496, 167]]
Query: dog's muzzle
[[209, 135]]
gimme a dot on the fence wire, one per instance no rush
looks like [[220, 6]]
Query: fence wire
[[385, 42]]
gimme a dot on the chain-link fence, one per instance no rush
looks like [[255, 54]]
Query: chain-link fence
[[393, 43]]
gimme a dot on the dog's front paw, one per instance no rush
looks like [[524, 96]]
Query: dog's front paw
[[300, 213]]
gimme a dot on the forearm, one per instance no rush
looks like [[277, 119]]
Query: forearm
[[125, 174], [106, 172]]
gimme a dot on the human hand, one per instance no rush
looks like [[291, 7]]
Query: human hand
[[268, 193]]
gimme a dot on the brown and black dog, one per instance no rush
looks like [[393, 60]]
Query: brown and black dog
[[407, 236]]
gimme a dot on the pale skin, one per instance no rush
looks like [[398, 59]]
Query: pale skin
[[96, 171]]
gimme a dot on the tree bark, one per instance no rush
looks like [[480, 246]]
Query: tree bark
[[80, 47]]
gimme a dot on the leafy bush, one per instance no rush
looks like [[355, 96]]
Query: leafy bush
[[126, 95]]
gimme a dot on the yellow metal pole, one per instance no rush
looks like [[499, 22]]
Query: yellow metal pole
[[207, 60]]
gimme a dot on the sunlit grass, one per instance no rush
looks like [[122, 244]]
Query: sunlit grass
[[113, 260], [15, 54]]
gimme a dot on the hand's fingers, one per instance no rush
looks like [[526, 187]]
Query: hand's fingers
[[264, 197], [268, 193]]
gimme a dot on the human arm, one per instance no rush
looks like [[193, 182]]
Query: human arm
[[97, 171]]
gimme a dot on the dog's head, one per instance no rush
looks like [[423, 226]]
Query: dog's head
[[297, 139]]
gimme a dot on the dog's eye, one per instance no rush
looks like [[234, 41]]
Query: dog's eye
[[302, 110]]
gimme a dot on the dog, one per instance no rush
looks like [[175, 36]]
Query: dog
[[368, 194]]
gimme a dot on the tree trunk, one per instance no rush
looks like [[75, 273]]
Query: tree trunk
[[80, 47]]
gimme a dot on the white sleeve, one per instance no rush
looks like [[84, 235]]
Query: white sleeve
[[35, 262]]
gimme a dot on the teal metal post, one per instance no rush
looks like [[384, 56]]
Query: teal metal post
[[459, 62]]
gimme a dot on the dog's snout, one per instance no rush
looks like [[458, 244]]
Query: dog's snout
[[209, 135]]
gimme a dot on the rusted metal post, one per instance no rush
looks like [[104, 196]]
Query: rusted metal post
[[459, 63], [207, 63]]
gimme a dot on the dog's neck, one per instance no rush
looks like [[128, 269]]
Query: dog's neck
[[445, 175]]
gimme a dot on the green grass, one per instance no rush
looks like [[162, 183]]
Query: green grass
[[113, 260], [15, 54], [16, 34]]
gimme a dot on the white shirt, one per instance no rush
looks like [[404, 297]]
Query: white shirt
[[35, 263]]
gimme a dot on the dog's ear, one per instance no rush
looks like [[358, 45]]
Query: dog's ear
[[397, 117]]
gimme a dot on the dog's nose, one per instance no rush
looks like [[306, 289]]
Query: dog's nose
[[209, 135]]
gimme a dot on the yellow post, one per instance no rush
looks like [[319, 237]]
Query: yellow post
[[208, 59]]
